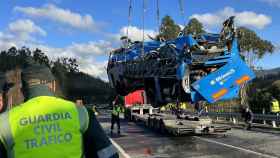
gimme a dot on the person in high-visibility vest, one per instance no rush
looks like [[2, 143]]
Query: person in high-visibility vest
[[163, 108], [95, 110], [275, 106], [50, 127], [115, 118]]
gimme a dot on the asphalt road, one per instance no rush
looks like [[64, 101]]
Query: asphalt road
[[138, 142]]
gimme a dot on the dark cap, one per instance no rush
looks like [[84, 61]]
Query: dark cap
[[33, 75], [38, 90], [34, 71]]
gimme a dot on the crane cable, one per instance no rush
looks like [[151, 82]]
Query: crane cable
[[127, 28], [158, 17], [143, 26], [181, 7], [182, 11], [129, 17]]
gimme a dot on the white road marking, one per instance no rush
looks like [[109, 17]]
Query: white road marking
[[119, 148], [235, 147]]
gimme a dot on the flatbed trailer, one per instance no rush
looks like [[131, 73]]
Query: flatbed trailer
[[168, 123]]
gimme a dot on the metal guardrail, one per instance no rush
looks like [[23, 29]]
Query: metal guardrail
[[98, 106], [274, 119], [233, 116], [262, 117]]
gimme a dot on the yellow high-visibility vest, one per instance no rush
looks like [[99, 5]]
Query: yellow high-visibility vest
[[45, 127], [275, 106], [162, 108], [184, 106], [116, 110]]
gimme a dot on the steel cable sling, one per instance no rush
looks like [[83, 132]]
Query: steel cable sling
[[158, 17], [182, 11], [129, 17]]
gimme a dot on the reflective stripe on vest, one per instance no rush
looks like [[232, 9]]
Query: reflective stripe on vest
[[275, 106], [46, 127]]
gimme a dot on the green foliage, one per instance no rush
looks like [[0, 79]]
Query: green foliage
[[249, 41], [254, 46], [74, 84], [90, 89], [262, 90], [194, 27], [168, 29], [66, 64], [78, 85], [40, 57], [13, 58]]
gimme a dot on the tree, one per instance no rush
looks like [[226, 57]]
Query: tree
[[194, 27], [73, 83], [252, 44], [40, 56], [168, 28], [252, 47], [13, 58], [73, 65], [274, 89]]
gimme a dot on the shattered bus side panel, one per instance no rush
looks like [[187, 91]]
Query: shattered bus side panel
[[225, 82]]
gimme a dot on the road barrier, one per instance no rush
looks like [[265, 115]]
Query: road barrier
[[235, 117]]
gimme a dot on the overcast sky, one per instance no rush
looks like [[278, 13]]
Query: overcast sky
[[89, 29]]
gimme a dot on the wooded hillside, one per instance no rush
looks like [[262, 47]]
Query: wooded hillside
[[73, 83]]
